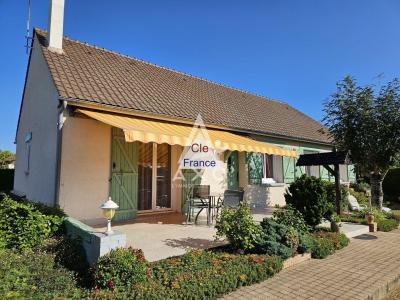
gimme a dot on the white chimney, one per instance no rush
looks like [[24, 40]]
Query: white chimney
[[55, 27]]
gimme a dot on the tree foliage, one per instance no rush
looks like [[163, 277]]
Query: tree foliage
[[5, 158], [367, 123]]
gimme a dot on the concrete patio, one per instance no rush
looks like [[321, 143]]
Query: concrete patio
[[163, 235]]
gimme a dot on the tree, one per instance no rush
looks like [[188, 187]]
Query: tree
[[5, 158], [368, 124]]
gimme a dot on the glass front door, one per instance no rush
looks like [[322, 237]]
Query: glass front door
[[145, 175], [163, 197], [154, 176]]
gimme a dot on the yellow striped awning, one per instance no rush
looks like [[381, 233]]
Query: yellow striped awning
[[159, 132]]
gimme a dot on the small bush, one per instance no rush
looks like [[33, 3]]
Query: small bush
[[330, 188], [69, 254], [289, 216], [339, 239], [120, 268], [387, 224], [306, 243], [239, 227], [309, 196], [23, 226], [277, 239], [322, 248], [34, 275]]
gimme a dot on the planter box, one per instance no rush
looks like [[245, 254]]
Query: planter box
[[297, 259]]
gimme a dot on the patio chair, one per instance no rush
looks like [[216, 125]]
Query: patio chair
[[232, 198], [198, 199]]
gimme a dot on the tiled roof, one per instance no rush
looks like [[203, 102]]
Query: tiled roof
[[91, 74]]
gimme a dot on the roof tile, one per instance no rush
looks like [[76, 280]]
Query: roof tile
[[88, 73]]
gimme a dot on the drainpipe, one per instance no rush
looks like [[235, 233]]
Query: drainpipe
[[61, 119]]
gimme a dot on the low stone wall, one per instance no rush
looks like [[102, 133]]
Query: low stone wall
[[297, 259], [261, 196], [95, 243]]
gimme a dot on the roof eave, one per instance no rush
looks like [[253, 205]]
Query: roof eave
[[131, 111]]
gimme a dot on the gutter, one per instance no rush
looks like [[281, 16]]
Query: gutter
[[61, 119], [133, 112]]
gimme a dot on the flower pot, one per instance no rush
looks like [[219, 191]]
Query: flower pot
[[370, 218]]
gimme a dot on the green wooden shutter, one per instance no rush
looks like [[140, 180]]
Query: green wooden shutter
[[124, 175], [255, 167], [288, 169]]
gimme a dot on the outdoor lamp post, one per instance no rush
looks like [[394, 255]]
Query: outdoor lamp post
[[109, 208]]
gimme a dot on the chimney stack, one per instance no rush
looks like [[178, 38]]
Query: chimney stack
[[55, 27]]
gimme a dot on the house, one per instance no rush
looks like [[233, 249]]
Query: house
[[95, 123]]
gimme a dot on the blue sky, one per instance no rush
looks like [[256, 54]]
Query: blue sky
[[294, 51]]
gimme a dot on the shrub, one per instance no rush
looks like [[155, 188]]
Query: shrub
[[289, 216], [277, 239], [306, 243], [339, 240], [208, 275], [330, 188], [69, 254], [120, 268], [34, 275], [239, 227], [309, 196], [353, 219], [322, 248], [23, 226], [387, 224]]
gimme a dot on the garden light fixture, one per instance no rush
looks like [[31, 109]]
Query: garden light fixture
[[109, 208]]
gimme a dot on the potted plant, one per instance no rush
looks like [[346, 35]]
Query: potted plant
[[369, 216], [336, 223]]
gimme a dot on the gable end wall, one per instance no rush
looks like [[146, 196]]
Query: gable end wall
[[39, 115]]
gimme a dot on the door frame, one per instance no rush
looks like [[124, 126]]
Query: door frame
[[153, 178], [154, 185]]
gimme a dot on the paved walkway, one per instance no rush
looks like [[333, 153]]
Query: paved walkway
[[361, 270]]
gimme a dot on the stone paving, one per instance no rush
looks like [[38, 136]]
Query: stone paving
[[365, 269]]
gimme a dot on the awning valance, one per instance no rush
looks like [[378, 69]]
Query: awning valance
[[144, 130]]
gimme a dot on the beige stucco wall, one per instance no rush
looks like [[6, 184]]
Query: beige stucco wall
[[39, 115], [216, 177], [85, 168]]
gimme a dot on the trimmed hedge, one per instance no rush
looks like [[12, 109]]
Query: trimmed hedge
[[388, 224], [391, 186], [34, 275], [197, 274], [23, 224], [6, 180]]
